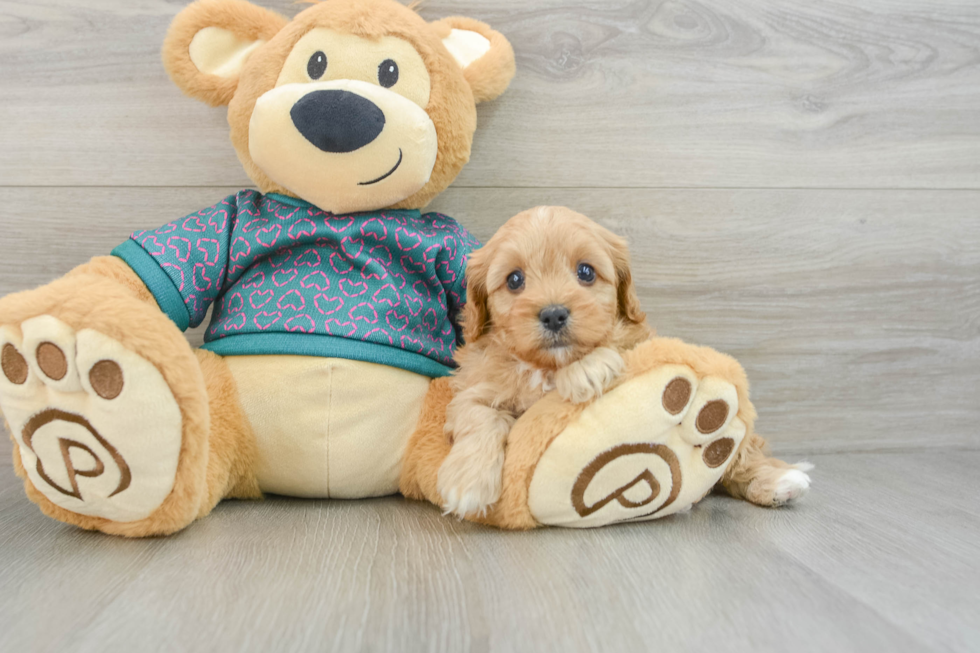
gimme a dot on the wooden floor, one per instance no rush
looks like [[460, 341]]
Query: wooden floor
[[882, 556], [800, 184]]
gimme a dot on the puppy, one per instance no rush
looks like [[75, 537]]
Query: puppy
[[550, 306]]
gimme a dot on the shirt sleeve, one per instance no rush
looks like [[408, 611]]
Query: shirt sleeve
[[185, 263], [451, 269]]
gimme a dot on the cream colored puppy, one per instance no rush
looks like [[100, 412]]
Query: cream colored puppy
[[550, 306]]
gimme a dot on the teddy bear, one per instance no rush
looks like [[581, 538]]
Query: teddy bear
[[334, 311]]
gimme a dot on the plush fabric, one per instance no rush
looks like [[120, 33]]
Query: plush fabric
[[220, 52], [592, 475], [90, 301], [489, 74], [236, 26], [387, 151], [451, 104], [233, 453], [327, 427], [230, 52], [103, 416], [343, 305]]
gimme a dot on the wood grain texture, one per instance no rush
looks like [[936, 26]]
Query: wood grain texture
[[855, 313], [842, 571], [626, 93]]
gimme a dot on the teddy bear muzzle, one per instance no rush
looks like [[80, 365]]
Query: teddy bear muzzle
[[343, 145]]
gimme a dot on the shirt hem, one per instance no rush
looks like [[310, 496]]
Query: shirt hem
[[306, 344]]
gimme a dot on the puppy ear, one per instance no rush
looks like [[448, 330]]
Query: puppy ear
[[209, 42], [485, 55], [628, 300], [476, 312]]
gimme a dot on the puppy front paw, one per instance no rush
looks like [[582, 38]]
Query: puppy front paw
[[470, 478], [589, 377]]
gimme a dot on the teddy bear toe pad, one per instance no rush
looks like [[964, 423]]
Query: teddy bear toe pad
[[97, 427], [653, 446]]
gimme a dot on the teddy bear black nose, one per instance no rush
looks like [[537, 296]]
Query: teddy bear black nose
[[337, 121], [553, 317]]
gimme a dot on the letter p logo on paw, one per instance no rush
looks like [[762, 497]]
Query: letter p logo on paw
[[61, 427], [97, 427]]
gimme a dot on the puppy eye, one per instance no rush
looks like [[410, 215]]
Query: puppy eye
[[586, 274], [388, 73], [317, 65], [515, 280]]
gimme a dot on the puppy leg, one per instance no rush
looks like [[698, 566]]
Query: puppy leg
[[589, 377], [470, 477], [762, 480]]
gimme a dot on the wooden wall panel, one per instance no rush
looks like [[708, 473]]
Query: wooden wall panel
[[857, 319], [624, 93]]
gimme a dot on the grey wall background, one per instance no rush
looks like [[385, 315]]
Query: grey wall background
[[799, 181]]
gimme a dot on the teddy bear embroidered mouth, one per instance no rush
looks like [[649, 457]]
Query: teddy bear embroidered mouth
[[385, 175], [339, 121], [333, 142]]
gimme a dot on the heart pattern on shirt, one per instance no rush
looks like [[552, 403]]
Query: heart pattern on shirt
[[271, 265]]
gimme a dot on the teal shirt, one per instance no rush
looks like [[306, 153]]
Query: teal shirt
[[284, 277]]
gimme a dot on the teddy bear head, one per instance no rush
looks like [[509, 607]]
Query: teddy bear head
[[353, 105]]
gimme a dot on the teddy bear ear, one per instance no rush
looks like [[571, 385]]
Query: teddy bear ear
[[486, 57], [209, 42]]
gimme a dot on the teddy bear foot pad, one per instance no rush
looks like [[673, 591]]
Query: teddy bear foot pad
[[651, 447], [97, 427]]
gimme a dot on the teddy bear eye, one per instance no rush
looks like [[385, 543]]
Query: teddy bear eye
[[586, 273], [515, 280], [388, 73], [317, 65]]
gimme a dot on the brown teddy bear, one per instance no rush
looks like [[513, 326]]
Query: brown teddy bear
[[334, 311]]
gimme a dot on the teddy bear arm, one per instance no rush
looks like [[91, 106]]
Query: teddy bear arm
[[115, 269]]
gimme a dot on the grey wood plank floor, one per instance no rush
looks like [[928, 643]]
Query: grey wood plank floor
[[800, 184], [869, 562]]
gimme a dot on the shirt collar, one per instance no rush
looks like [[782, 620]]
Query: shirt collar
[[303, 204]]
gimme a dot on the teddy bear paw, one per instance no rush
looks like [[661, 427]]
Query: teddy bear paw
[[96, 425], [653, 446]]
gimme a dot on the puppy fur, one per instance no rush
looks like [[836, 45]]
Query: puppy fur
[[511, 359]]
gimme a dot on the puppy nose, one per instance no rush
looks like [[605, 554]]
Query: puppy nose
[[553, 317], [337, 121]]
